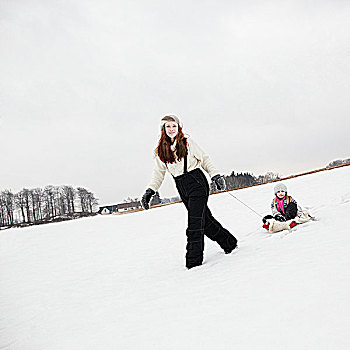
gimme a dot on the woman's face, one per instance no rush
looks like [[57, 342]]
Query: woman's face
[[171, 129], [280, 194]]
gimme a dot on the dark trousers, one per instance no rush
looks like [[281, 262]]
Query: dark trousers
[[193, 188], [291, 211]]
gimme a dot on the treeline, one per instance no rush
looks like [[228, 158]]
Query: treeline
[[53, 203], [338, 162], [236, 180]]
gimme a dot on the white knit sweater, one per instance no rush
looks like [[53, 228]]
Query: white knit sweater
[[195, 158]]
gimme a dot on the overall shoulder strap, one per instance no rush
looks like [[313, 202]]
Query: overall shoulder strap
[[185, 158]]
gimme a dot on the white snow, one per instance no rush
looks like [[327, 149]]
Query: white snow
[[119, 282]]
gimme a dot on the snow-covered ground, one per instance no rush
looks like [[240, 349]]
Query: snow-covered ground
[[119, 282]]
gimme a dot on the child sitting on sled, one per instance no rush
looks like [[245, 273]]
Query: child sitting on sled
[[286, 213]]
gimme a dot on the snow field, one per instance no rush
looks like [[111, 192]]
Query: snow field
[[119, 282]]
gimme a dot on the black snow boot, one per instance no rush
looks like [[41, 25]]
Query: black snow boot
[[230, 244]]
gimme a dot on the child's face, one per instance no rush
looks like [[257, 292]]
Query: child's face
[[280, 194]]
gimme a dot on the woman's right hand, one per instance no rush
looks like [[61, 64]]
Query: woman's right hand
[[146, 198], [220, 182]]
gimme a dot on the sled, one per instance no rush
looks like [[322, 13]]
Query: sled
[[274, 226]]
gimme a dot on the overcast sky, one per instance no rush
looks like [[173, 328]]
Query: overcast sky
[[260, 85]]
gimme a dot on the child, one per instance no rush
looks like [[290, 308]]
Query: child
[[286, 213]]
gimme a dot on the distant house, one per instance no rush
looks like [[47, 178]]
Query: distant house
[[108, 209], [129, 206]]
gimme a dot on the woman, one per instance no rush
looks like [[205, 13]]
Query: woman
[[182, 158]]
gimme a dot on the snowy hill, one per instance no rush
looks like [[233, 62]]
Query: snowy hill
[[119, 282]]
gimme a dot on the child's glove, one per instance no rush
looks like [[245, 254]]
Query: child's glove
[[280, 217], [267, 217], [220, 182], [146, 198]]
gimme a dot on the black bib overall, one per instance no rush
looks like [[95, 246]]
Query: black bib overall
[[193, 188]]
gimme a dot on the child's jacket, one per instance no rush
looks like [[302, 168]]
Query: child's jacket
[[287, 199]]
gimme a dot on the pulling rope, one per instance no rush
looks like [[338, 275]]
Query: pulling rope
[[244, 204]]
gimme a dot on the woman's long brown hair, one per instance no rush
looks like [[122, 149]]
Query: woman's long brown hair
[[164, 151]]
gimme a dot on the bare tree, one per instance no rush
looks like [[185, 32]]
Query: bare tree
[[26, 198], [49, 200], [8, 202], [36, 200], [69, 196], [61, 208], [20, 204], [39, 202], [269, 176], [236, 180], [3, 216], [82, 194], [32, 202], [91, 201], [87, 200]]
